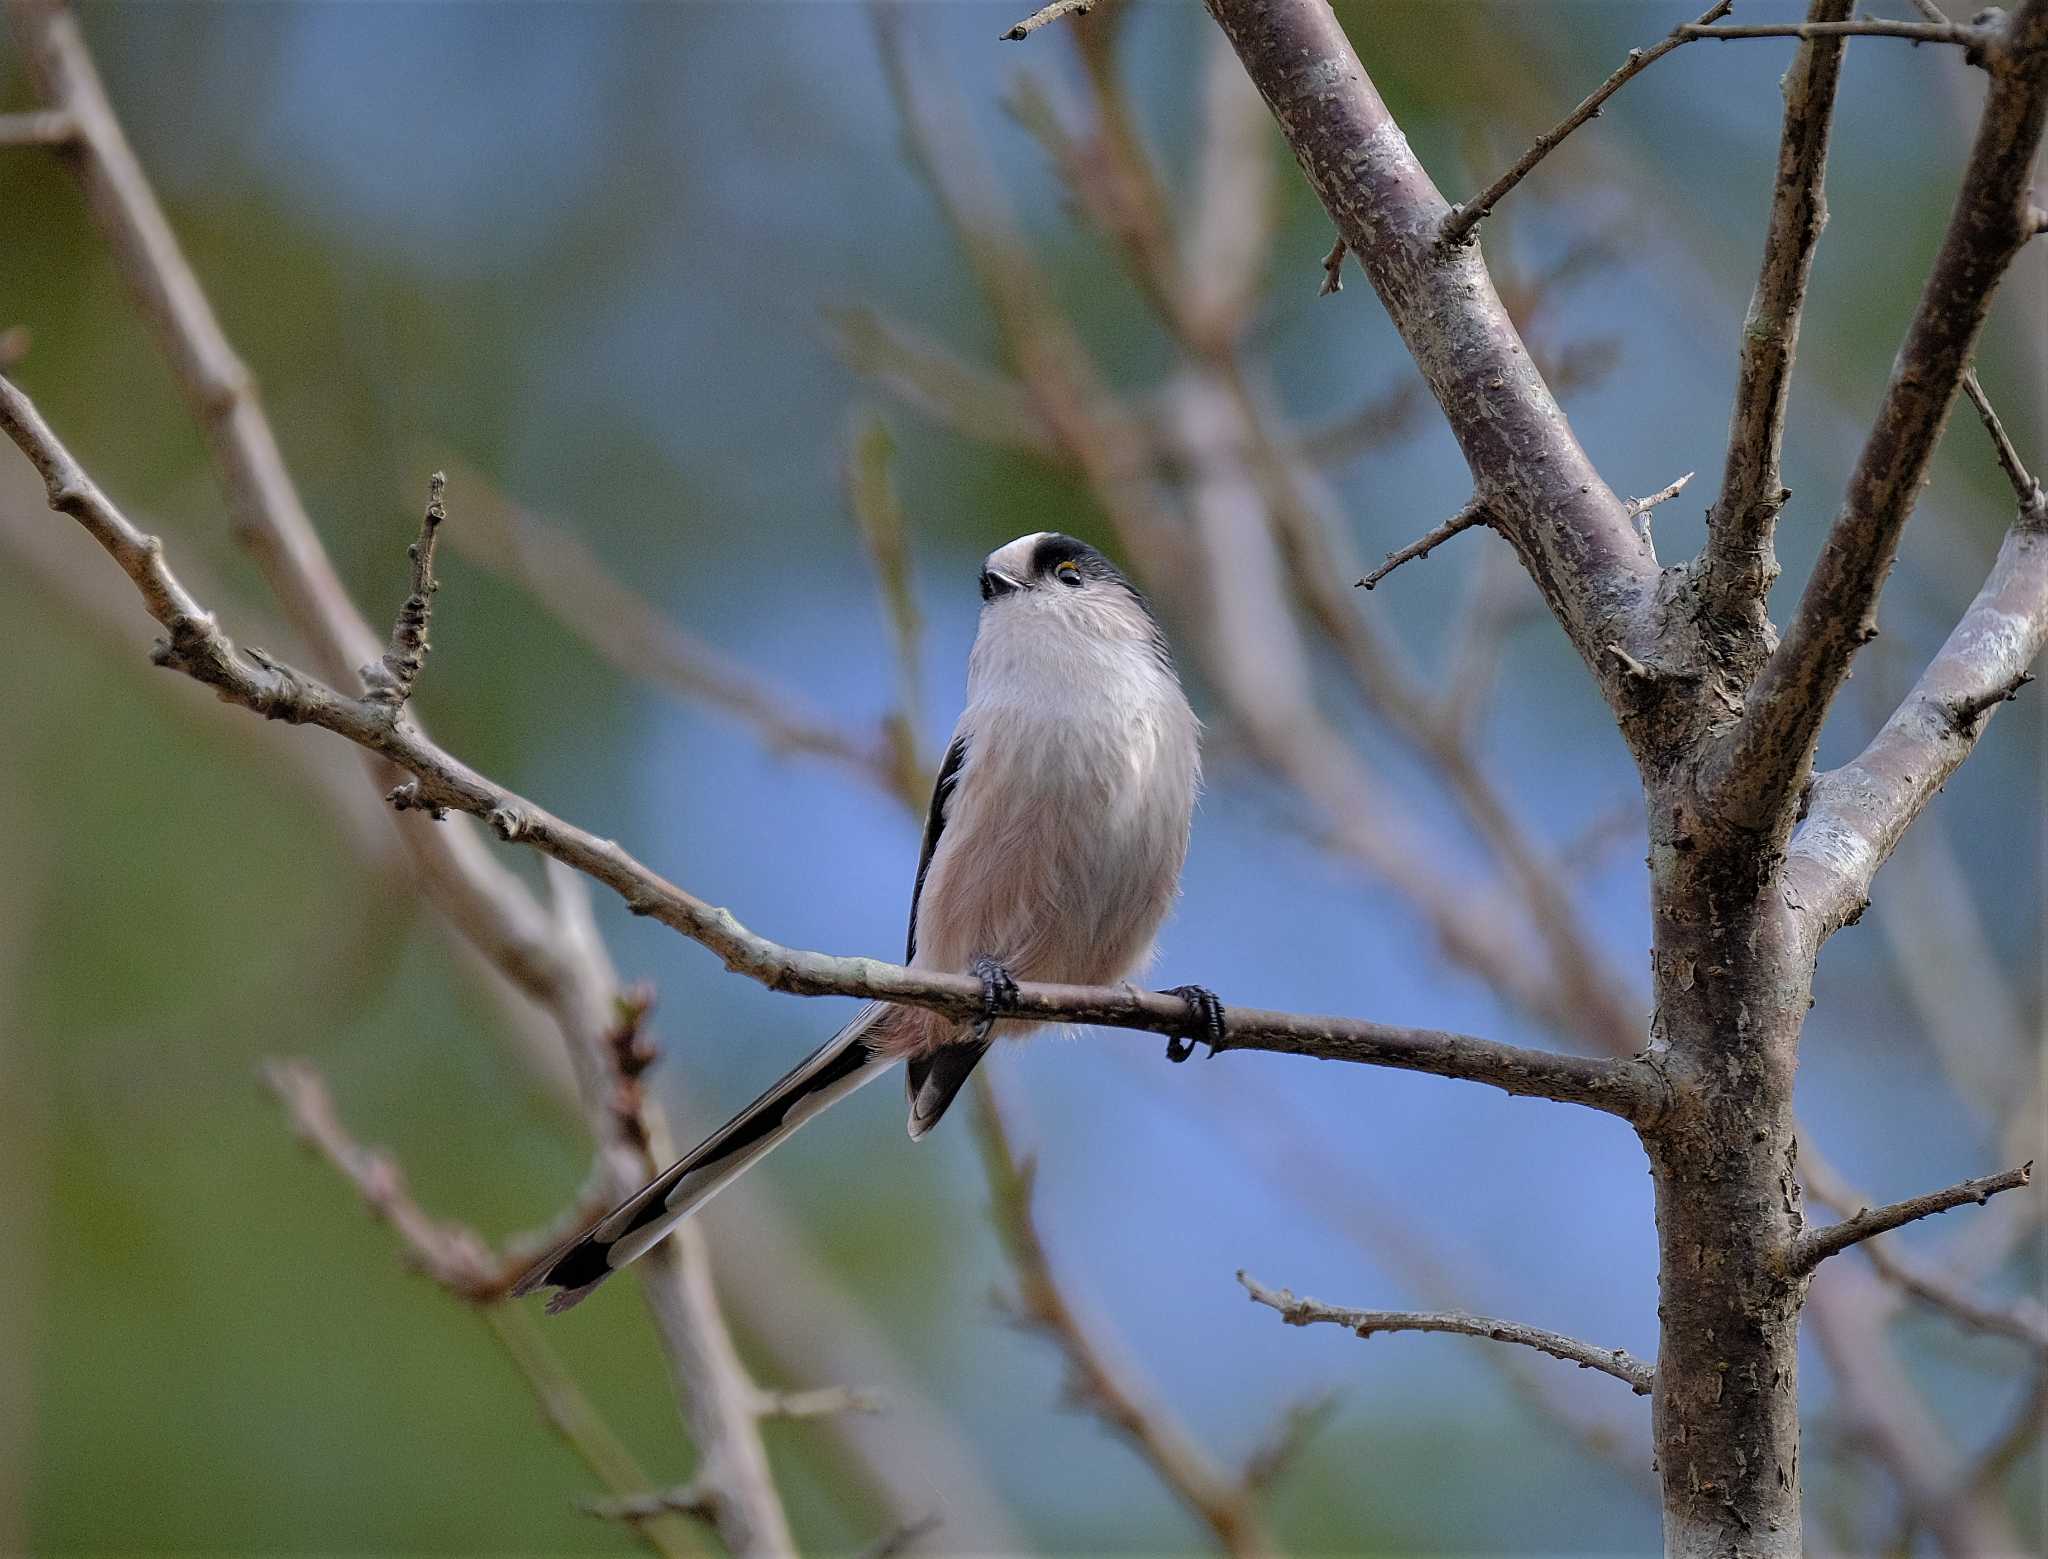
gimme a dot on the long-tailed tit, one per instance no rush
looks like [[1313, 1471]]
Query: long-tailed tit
[[1052, 852]]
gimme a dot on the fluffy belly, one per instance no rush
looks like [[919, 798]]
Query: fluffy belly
[[1059, 860]]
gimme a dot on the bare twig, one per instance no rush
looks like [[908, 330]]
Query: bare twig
[[1459, 225], [1638, 507], [1931, 11], [821, 1402], [1756, 771], [902, 1538], [872, 495], [389, 680], [1104, 1386], [453, 1256], [2024, 1321], [685, 1499], [1298, 1423], [1045, 15], [38, 127], [1233, 201], [197, 647], [1739, 563], [976, 402], [1816, 1245], [1333, 268], [2032, 501], [1631, 1372], [1474, 513], [1969, 35]]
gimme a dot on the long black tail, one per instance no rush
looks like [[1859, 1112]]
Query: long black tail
[[838, 1067]]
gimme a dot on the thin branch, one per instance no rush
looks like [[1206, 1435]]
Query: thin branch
[[38, 127], [1754, 773], [1299, 1422], [2023, 1321], [976, 402], [1333, 268], [389, 680], [2032, 501], [1631, 1372], [902, 1538], [1969, 35], [1739, 563], [1226, 1506], [1233, 203], [1639, 508], [197, 647], [1931, 11], [451, 1255], [1458, 227], [871, 493], [1816, 1245], [1474, 513], [820, 1402], [1046, 15], [685, 1499]]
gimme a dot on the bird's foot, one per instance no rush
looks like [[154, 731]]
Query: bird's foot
[[998, 990], [1208, 1014]]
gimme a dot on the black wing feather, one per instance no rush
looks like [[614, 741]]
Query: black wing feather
[[950, 1066], [934, 825]]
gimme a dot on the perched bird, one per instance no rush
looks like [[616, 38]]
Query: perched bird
[[1052, 852]]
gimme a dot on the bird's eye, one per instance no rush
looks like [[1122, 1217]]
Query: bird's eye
[[1069, 574]]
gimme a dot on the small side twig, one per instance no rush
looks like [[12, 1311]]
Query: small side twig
[[1297, 1425], [820, 1402], [1967, 34], [1459, 224], [1816, 1245], [38, 127], [389, 681], [1333, 268], [1046, 15], [1631, 1372], [2024, 1320], [902, 1538], [2032, 500], [687, 1499], [871, 494], [1474, 513], [1641, 506]]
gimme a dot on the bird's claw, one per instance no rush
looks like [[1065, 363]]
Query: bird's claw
[[998, 991], [1209, 1014]]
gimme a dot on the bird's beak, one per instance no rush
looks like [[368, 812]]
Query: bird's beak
[[994, 584]]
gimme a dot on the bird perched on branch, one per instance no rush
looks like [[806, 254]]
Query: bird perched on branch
[[1052, 852]]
